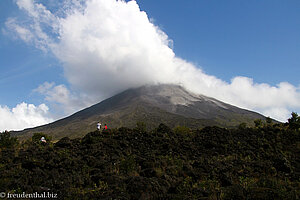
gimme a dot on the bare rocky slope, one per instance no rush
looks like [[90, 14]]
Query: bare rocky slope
[[172, 105]]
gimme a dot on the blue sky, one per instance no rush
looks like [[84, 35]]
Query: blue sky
[[22, 66], [239, 49], [230, 38]]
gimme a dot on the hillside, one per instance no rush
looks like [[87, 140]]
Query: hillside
[[210, 163], [153, 104]]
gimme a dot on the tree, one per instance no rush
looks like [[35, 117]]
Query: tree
[[294, 121]]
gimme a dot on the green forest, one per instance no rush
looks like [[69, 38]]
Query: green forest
[[261, 162]]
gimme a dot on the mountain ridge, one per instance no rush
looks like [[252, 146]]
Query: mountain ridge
[[152, 104]]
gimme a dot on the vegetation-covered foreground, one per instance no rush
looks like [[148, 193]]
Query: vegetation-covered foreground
[[211, 163]]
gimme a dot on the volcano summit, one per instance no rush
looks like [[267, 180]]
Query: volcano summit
[[172, 105]]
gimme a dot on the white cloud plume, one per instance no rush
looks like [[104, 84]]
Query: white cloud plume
[[107, 46], [23, 116]]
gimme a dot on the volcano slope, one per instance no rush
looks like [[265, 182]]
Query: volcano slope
[[153, 104], [211, 163]]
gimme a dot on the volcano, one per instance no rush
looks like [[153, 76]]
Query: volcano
[[172, 105]]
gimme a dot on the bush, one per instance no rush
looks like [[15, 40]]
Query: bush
[[269, 120], [162, 128], [141, 127], [182, 130], [128, 164], [258, 123], [6, 141], [242, 126]]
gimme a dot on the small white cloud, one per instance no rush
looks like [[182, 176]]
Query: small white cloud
[[23, 116], [62, 99], [44, 87], [22, 32]]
